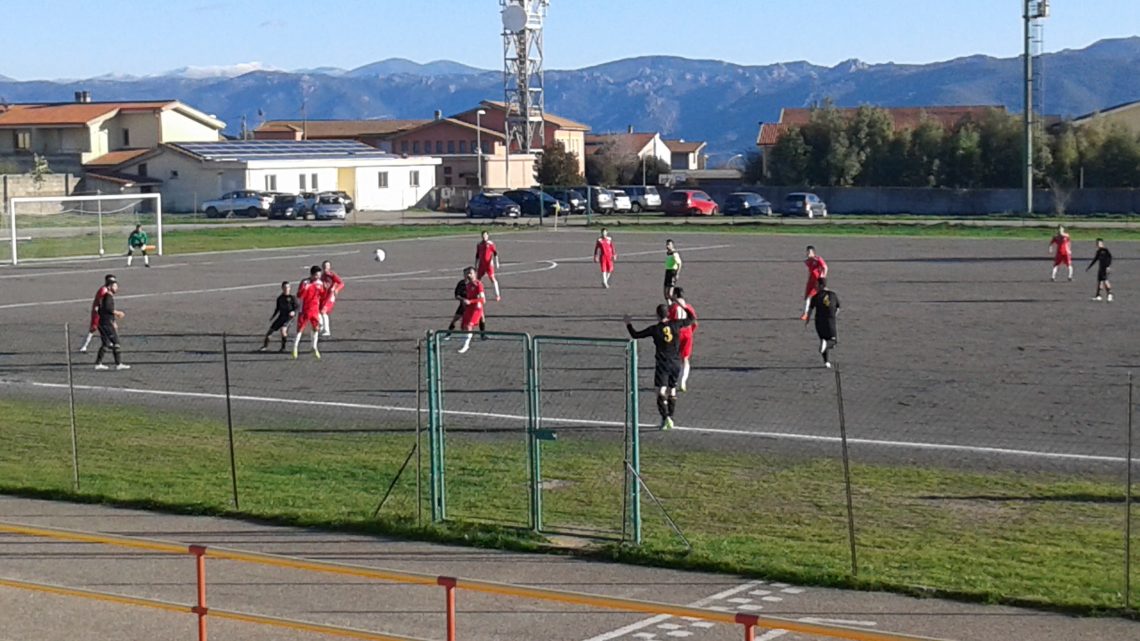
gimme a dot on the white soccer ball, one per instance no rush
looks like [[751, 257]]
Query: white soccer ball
[[380, 255]]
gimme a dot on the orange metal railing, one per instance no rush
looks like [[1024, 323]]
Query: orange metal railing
[[450, 584]]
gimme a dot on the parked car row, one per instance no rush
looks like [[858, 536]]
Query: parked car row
[[325, 205], [635, 199], [694, 202]]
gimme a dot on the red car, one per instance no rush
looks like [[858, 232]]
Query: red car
[[690, 202]]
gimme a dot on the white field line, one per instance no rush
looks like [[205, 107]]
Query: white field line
[[809, 438], [237, 288], [157, 265], [645, 623]]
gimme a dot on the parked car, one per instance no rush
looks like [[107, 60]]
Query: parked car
[[601, 200], [293, 206], [492, 205], [690, 202], [746, 203], [533, 202], [345, 199], [622, 202], [246, 202], [572, 197], [329, 207], [804, 204], [643, 197]]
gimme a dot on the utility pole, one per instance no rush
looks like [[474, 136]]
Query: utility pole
[[1034, 10]]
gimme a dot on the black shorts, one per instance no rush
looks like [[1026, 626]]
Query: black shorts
[[109, 335], [1102, 273], [666, 375], [826, 331], [459, 310], [278, 323], [670, 278]]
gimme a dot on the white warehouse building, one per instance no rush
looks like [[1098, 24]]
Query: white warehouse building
[[187, 174]]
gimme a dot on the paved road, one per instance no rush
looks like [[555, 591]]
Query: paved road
[[417, 611]]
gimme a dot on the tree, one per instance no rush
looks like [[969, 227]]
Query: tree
[[789, 159], [753, 168], [834, 162], [963, 167], [648, 168], [556, 166], [1118, 163], [870, 132], [924, 166]]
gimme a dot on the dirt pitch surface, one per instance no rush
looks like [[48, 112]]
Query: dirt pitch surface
[[954, 352]]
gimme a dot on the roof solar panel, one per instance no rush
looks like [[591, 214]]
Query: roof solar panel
[[279, 149]]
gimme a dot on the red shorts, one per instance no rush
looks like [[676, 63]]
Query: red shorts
[[685, 343], [328, 305], [485, 270], [311, 320], [1062, 259], [812, 288], [472, 314], [94, 322], [607, 264]]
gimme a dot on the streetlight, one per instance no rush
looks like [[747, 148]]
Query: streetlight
[[479, 144], [728, 163]]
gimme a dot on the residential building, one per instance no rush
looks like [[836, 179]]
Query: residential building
[[376, 132], [73, 135], [686, 156], [456, 142], [571, 134], [189, 173], [641, 144], [1127, 114]]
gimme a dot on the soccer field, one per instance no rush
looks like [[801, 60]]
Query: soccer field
[[953, 352]]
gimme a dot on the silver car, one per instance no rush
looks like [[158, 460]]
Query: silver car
[[643, 197], [329, 207], [622, 202]]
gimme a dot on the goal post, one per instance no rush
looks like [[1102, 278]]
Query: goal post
[[47, 227]]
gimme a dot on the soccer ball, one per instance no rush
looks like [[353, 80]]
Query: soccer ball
[[380, 255]]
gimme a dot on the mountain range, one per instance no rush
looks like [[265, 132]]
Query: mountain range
[[710, 100]]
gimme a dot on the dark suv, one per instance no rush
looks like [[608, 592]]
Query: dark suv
[[572, 197], [491, 205], [293, 206], [804, 204], [746, 203], [533, 202]]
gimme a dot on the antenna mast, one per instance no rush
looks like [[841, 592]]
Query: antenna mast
[[523, 82]]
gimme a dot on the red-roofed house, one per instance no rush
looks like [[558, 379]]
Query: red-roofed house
[[686, 155], [74, 135], [376, 132], [641, 144]]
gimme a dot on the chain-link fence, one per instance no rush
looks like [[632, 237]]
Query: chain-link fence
[[993, 482]]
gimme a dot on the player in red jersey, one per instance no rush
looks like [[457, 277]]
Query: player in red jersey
[[333, 286], [680, 310], [604, 256], [487, 259], [472, 305], [1062, 248], [310, 292], [93, 329], [817, 269]]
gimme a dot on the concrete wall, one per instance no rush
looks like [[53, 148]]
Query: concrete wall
[[22, 186], [945, 202]]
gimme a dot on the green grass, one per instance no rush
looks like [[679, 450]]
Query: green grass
[[1043, 540]]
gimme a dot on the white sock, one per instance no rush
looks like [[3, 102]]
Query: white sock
[[1054, 273], [822, 345], [1070, 272], [87, 342], [466, 343], [807, 305], [129, 259], [496, 284], [325, 324], [146, 259], [685, 373], [297, 341], [316, 336]]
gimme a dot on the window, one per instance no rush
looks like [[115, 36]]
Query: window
[[302, 177], [447, 181], [404, 146], [447, 171], [439, 146], [416, 147], [450, 146], [142, 169], [414, 178], [22, 140], [126, 137], [382, 180], [462, 146], [270, 181], [174, 174], [314, 181]]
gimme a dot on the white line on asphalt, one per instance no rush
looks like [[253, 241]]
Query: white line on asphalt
[[645, 623], [813, 438], [82, 271]]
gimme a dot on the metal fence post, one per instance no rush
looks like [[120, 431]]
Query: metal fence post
[[846, 473], [419, 431], [1128, 508], [199, 552], [435, 431], [534, 453], [632, 403], [230, 419], [71, 409]]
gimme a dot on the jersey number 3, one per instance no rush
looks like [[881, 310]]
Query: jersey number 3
[[667, 332]]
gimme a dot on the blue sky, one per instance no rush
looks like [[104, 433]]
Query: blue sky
[[73, 39]]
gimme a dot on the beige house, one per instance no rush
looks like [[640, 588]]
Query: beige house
[[686, 156], [571, 134], [456, 143], [1127, 114], [641, 144], [74, 135], [376, 133]]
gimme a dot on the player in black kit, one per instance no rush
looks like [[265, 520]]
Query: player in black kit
[[286, 311], [667, 369], [461, 295], [1103, 259], [825, 304], [109, 328]]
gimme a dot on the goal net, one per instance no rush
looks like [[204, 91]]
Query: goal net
[[41, 228]]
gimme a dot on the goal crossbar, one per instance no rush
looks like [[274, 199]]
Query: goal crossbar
[[13, 203]]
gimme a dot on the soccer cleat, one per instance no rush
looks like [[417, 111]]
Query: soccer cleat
[[101, 367], [667, 423], [1052, 279], [122, 366], [326, 334], [684, 387], [498, 299], [463, 350], [294, 353], [1110, 298], [1097, 297], [263, 348], [317, 353], [146, 265], [804, 317], [83, 350], [827, 364]]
